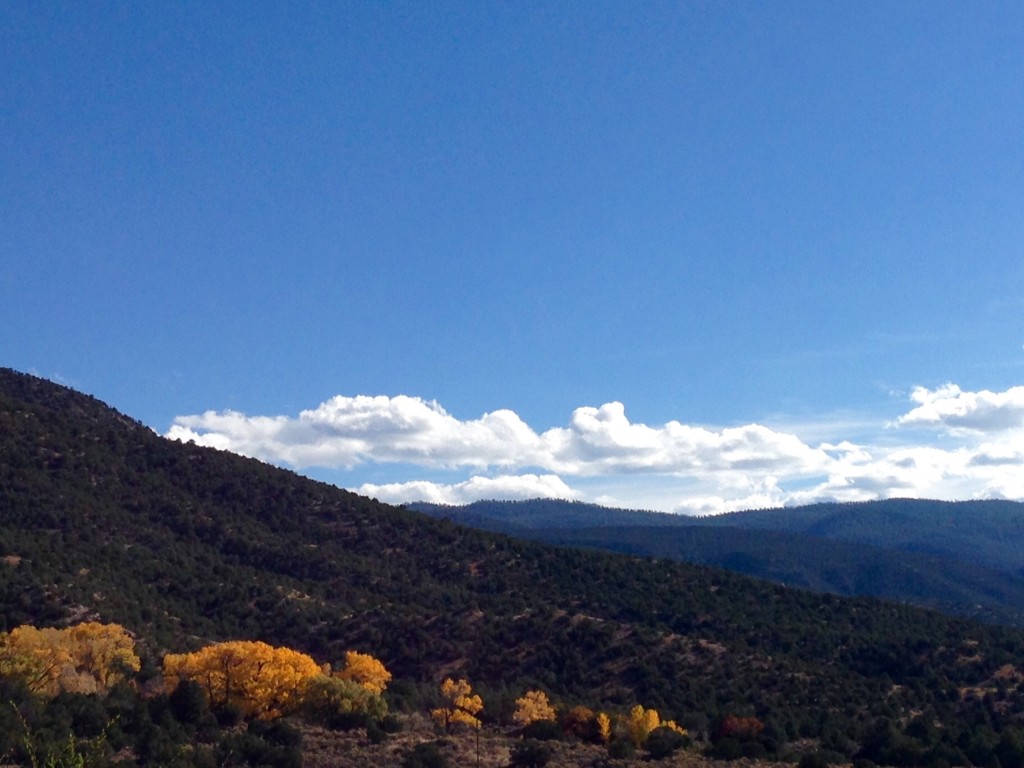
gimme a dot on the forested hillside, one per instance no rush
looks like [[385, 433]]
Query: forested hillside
[[961, 558], [100, 518]]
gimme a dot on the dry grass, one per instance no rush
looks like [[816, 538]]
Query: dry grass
[[352, 749]]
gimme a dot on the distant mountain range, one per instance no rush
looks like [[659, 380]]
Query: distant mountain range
[[963, 558], [100, 518]]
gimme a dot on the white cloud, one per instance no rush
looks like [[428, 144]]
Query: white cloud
[[950, 408], [671, 466], [513, 487], [349, 431]]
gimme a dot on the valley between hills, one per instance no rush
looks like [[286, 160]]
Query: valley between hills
[[102, 520]]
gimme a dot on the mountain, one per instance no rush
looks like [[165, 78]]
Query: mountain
[[546, 513], [102, 518], [988, 533], [962, 558]]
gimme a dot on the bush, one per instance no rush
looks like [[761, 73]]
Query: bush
[[188, 703], [621, 749], [253, 749], [726, 749], [662, 742], [374, 733], [229, 715], [425, 755], [340, 704], [814, 760], [277, 732], [530, 754], [542, 730], [754, 750]]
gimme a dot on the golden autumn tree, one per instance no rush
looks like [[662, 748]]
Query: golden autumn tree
[[86, 658], [364, 669], [263, 681], [461, 705], [642, 721], [37, 657], [104, 651], [604, 727], [533, 706]]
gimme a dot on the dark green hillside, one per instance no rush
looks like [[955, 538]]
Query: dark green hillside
[[101, 517], [822, 565], [951, 557], [989, 532], [545, 513]]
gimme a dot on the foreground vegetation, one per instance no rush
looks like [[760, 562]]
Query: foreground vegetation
[[103, 521], [76, 698]]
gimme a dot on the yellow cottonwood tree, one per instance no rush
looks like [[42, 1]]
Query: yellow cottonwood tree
[[640, 724], [533, 705], [104, 651], [461, 705], [263, 681], [604, 727], [642, 721], [86, 658], [364, 669], [37, 657]]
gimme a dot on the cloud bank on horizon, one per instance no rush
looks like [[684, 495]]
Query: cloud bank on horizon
[[950, 444]]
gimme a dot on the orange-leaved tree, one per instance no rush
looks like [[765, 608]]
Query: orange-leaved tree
[[461, 705], [364, 669], [741, 728], [533, 706], [86, 658], [263, 681]]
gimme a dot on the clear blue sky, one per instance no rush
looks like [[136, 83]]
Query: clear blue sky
[[764, 229]]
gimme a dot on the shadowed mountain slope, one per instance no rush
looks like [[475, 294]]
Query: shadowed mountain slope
[[961, 558]]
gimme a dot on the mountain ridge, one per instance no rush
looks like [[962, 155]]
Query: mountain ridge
[[962, 558], [100, 517]]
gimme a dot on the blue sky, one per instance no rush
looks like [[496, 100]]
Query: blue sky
[[683, 256]]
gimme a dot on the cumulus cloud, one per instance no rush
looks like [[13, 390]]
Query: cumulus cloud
[[952, 409], [671, 466], [348, 431], [511, 487]]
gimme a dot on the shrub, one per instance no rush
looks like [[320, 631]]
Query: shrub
[[374, 733], [340, 704], [581, 722], [542, 730], [229, 715], [530, 754], [726, 749], [663, 742], [277, 732], [425, 755], [621, 749], [813, 760], [188, 703]]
